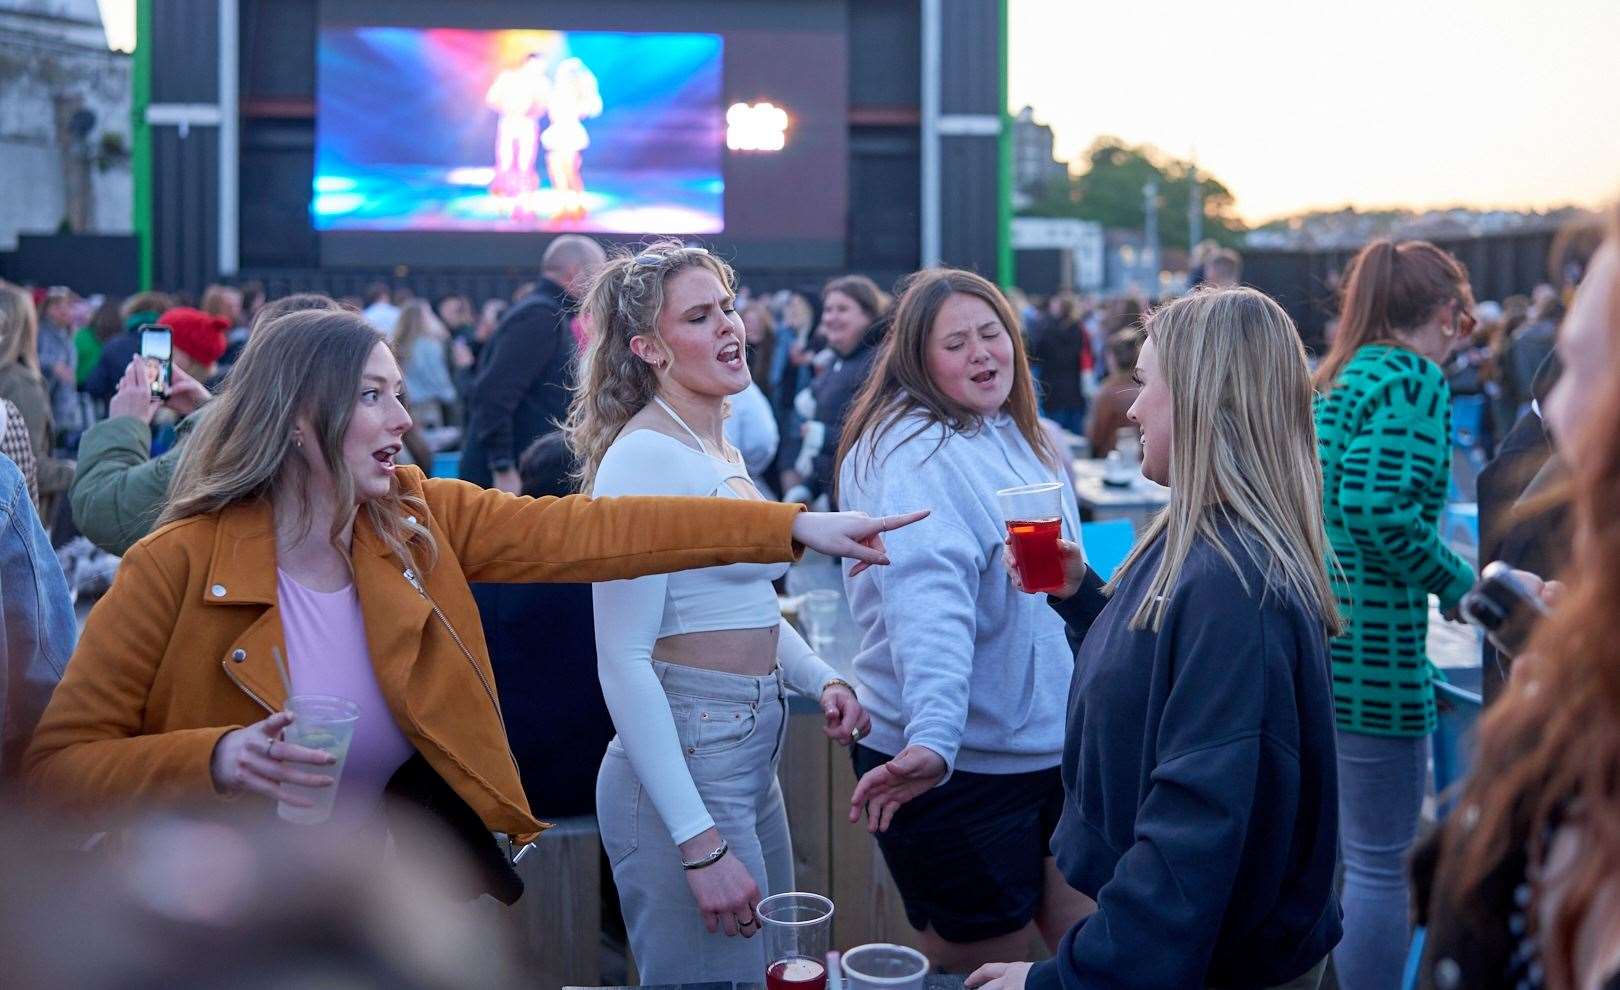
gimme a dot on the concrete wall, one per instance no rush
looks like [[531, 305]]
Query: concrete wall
[[55, 61]]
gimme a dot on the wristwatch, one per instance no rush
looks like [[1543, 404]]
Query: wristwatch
[[499, 464]]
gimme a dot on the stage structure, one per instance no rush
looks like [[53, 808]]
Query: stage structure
[[321, 144]]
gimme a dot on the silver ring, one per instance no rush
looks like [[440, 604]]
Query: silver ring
[[855, 734]]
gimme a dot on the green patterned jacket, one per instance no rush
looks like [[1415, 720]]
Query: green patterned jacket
[[1383, 432]]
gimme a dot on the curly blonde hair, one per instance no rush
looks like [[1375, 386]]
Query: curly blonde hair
[[612, 384]]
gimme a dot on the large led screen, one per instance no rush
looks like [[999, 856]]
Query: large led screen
[[438, 129]]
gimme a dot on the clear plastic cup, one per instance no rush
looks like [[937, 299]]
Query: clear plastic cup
[[882, 966], [1034, 517], [821, 608], [798, 928], [324, 722]]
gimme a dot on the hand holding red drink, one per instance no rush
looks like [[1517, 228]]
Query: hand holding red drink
[[1034, 517], [1071, 559]]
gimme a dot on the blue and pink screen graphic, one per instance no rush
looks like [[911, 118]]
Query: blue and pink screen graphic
[[518, 130]]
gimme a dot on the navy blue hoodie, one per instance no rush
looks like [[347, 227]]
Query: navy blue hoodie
[[1200, 786]]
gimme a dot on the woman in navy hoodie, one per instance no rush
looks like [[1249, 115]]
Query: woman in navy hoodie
[[1198, 769]]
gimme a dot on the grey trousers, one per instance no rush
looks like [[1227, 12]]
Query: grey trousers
[[731, 729]]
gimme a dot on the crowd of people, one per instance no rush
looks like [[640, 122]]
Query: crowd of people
[[1208, 770]]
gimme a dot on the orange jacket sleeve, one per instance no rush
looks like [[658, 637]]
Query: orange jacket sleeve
[[89, 752], [501, 537]]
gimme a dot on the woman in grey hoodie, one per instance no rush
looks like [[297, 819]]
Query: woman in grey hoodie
[[964, 678]]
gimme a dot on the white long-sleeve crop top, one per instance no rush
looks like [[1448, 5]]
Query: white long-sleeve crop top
[[633, 615]]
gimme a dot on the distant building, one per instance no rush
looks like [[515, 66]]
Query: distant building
[[1035, 171], [1348, 229], [64, 122]]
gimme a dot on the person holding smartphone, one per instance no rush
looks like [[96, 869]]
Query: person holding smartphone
[[292, 529], [1199, 780], [120, 488]]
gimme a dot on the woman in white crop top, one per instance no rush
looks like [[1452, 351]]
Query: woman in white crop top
[[694, 665]]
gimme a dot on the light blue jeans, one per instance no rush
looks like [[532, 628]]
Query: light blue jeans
[[731, 728], [1381, 784]]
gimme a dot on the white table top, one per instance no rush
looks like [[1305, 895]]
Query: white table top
[[1094, 493]]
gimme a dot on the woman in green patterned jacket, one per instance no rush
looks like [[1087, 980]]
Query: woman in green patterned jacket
[[1383, 422]]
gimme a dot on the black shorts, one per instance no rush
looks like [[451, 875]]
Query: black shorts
[[970, 856]]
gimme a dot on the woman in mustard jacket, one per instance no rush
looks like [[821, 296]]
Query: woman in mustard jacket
[[290, 528]]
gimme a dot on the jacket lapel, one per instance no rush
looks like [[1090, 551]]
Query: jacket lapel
[[242, 578], [395, 612]]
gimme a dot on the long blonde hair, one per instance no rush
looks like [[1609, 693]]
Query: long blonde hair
[[416, 322], [1243, 449], [900, 383], [19, 329], [612, 383], [307, 363]]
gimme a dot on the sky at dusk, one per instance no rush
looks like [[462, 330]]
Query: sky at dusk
[[1301, 104]]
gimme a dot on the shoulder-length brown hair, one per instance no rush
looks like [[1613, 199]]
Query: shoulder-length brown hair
[[900, 384], [1391, 287], [306, 364], [1549, 749]]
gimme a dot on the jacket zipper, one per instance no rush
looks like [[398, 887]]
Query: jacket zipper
[[410, 575], [226, 665]]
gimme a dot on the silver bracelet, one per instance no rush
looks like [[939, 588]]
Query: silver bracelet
[[710, 859]]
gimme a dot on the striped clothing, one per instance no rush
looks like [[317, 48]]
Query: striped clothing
[[1383, 433]]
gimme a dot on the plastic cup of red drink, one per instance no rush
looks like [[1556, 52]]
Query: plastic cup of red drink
[[798, 929], [1034, 517]]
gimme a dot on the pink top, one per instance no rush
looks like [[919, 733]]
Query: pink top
[[327, 654]]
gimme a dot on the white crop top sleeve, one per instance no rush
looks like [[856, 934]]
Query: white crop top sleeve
[[628, 617], [631, 616], [803, 671]]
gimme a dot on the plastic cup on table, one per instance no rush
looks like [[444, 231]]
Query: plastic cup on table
[[882, 966], [326, 723], [798, 928], [1034, 518]]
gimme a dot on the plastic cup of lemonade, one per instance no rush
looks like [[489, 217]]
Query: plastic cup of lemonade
[[326, 723]]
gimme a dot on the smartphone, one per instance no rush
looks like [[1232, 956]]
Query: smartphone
[[157, 348], [1503, 607]]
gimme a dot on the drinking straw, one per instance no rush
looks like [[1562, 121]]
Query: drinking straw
[[281, 668], [835, 976]]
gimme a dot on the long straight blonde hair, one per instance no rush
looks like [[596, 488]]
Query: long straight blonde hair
[[307, 363], [1243, 449], [612, 383]]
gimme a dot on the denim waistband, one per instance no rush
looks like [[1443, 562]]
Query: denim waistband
[[717, 685]]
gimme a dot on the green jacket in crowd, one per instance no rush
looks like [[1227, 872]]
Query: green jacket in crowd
[[1384, 435], [88, 347], [121, 488]]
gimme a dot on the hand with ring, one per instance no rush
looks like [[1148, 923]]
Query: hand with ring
[[257, 760]]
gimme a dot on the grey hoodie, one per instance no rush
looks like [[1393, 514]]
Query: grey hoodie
[[953, 656]]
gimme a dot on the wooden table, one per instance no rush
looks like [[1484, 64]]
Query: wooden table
[[832, 857]]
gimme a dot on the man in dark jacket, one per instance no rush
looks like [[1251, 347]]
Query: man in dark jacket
[[1514, 525], [522, 388], [549, 691]]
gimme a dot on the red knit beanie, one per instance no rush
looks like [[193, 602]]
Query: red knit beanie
[[199, 335]]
